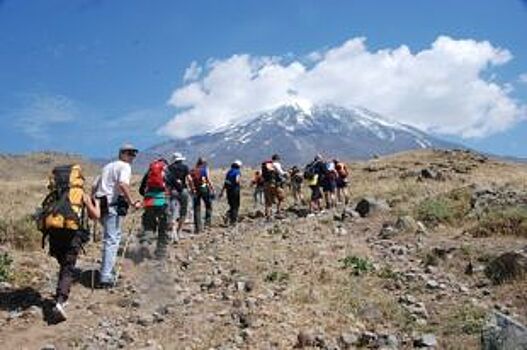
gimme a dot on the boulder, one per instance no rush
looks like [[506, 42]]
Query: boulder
[[509, 265], [369, 205], [503, 333]]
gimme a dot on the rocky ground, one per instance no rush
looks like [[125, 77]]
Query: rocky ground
[[411, 262]]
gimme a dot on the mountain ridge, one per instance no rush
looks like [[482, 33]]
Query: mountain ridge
[[297, 133]]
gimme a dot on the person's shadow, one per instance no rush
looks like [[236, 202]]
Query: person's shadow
[[18, 300]]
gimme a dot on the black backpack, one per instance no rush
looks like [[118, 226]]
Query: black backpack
[[268, 173], [310, 171], [175, 177]]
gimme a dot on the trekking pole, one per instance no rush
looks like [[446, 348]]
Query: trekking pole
[[94, 259], [126, 243]]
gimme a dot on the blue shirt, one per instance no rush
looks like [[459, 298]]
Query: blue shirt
[[230, 178]]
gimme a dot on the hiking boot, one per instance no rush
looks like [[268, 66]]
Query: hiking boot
[[60, 312]]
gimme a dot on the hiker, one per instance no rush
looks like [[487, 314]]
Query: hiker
[[258, 184], [202, 190], [329, 184], [313, 173], [342, 181], [232, 186], [296, 180], [274, 177], [113, 191], [153, 188], [63, 220], [178, 180]]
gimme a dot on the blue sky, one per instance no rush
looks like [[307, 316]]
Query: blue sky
[[84, 76]]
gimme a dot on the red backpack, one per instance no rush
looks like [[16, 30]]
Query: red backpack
[[156, 176]]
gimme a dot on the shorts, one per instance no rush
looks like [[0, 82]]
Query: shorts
[[272, 193], [179, 199], [316, 194], [329, 186], [342, 183]]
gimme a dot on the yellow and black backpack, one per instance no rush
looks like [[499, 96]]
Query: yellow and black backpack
[[63, 207]]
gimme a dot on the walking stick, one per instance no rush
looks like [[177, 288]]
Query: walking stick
[[120, 262], [94, 258]]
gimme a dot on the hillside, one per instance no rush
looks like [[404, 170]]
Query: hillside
[[38, 165], [410, 273]]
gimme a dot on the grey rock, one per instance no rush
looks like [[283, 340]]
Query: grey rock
[[432, 284], [510, 265], [368, 206], [305, 339], [388, 231], [349, 339], [425, 341], [503, 333], [430, 174]]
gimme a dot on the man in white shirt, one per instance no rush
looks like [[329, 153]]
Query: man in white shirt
[[113, 191]]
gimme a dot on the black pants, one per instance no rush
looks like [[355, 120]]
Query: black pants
[[65, 245], [202, 195], [233, 198], [155, 221]]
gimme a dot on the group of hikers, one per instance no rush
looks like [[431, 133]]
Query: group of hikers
[[167, 187]]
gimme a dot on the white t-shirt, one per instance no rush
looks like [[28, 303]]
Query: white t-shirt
[[278, 168], [112, 174]]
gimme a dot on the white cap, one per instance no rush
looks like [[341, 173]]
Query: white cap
[[177, 156], [238, 162], [128, 147]]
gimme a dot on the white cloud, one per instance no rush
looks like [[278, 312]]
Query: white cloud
[[440, 89], [193, 72], [523, 78], [41, 112]]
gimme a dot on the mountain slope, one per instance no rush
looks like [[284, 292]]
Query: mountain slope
[[299, 133]]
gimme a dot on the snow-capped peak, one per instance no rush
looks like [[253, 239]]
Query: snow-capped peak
[[301, 104]]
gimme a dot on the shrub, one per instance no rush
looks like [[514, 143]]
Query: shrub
[[357, 265], [504, 221], [5, 267]]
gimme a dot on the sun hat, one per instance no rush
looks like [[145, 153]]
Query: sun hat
[[177, 157], [128, 147]]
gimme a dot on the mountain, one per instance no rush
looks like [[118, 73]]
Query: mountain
[[298, 133]]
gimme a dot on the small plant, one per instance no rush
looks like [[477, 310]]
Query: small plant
[[277, 276], [357, 265], [278, 230], [387, 273], [5, 267]]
